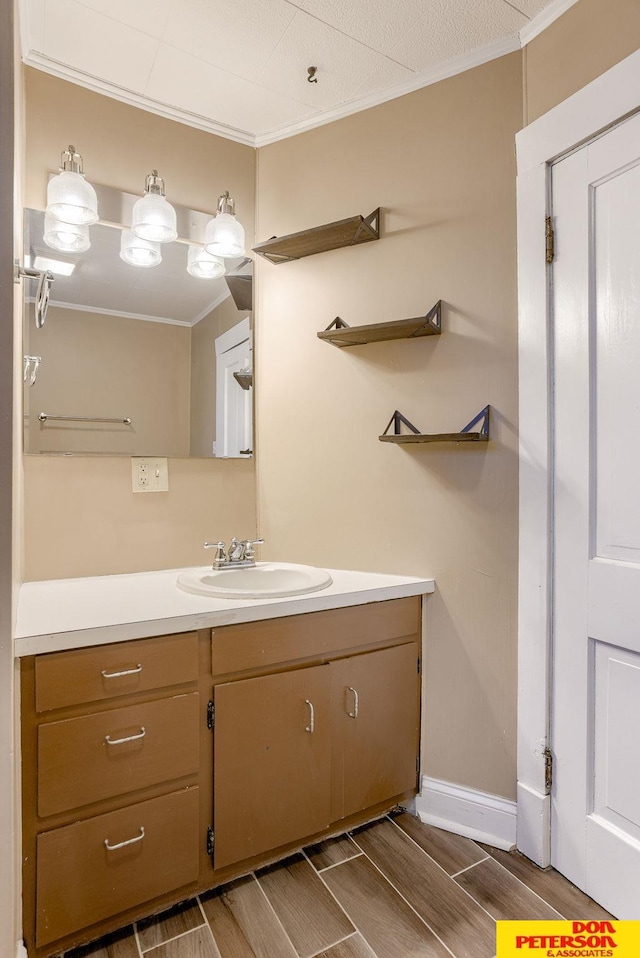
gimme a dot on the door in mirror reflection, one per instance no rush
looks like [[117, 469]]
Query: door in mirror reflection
[[234, 380]]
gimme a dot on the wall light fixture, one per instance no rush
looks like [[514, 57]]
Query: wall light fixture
[[154, 218], [224, 235], [69, 197]]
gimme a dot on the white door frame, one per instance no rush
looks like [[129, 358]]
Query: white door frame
[[576, 120]]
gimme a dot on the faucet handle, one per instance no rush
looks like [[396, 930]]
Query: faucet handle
[[248, 547], [220, 553]]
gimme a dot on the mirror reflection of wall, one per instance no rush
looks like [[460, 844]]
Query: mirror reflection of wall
[[122, 342]]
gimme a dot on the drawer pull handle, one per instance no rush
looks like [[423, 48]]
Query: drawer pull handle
[[129, 738], [353, 714], [117, 675], [312, 716], [130, 841]]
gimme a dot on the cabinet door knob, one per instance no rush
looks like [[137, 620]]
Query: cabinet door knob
[[130, 841], [129, 738], [356, 702], [116, 675], [312, 716]]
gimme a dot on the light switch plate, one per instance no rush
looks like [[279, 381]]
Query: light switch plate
[[149, 475]]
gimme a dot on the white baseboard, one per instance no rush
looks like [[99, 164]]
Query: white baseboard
[[478, 815], [21, 951]]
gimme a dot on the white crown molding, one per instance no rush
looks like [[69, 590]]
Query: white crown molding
[[475, 58], [466, 811], [442, 71], [544, 19], [55, 68]]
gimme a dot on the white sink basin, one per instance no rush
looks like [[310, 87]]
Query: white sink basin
[[265, 580]]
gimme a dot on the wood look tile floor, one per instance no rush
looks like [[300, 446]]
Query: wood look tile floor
[[392, 889]]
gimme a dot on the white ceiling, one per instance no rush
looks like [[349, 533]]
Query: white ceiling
[[239, 67]]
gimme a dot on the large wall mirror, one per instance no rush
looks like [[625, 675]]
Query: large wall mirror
[[126, 360]]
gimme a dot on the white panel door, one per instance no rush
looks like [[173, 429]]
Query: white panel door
[[596, 674]]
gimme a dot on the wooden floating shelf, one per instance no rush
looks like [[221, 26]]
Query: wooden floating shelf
[[350, 232], [465, 435], [341, 334], [435, 437]]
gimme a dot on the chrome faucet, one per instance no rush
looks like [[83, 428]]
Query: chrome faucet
[[240, 553]]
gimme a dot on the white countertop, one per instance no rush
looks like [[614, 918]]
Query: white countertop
[[71, 613]]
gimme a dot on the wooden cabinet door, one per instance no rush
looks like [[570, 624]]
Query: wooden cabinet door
[[376, 728], [271, 762]]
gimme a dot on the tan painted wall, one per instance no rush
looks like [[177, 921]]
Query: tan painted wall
[[109, 367], [203, 373], [588, 39], [98, 525], [208, 499], [440, 162]]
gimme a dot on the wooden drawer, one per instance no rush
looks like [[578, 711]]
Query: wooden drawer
[[80, 881], [237, 648], [106, 671], [84, 760]]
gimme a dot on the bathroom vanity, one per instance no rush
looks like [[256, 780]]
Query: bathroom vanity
[[160, 762]]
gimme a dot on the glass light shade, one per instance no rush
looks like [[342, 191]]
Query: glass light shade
[[203, 264], [67, 237], [72, 199], [224, 236], [139, 252], [154, 219]]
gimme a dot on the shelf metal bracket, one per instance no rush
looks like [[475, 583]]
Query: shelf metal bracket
[[433, 319], [370, 225], [398, 420], [337, 324], [482, 415]]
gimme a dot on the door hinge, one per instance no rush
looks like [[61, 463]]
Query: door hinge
[[419, 666], [210, 840], [550, 240], [548, 769], [418, 765], [211, 714]]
